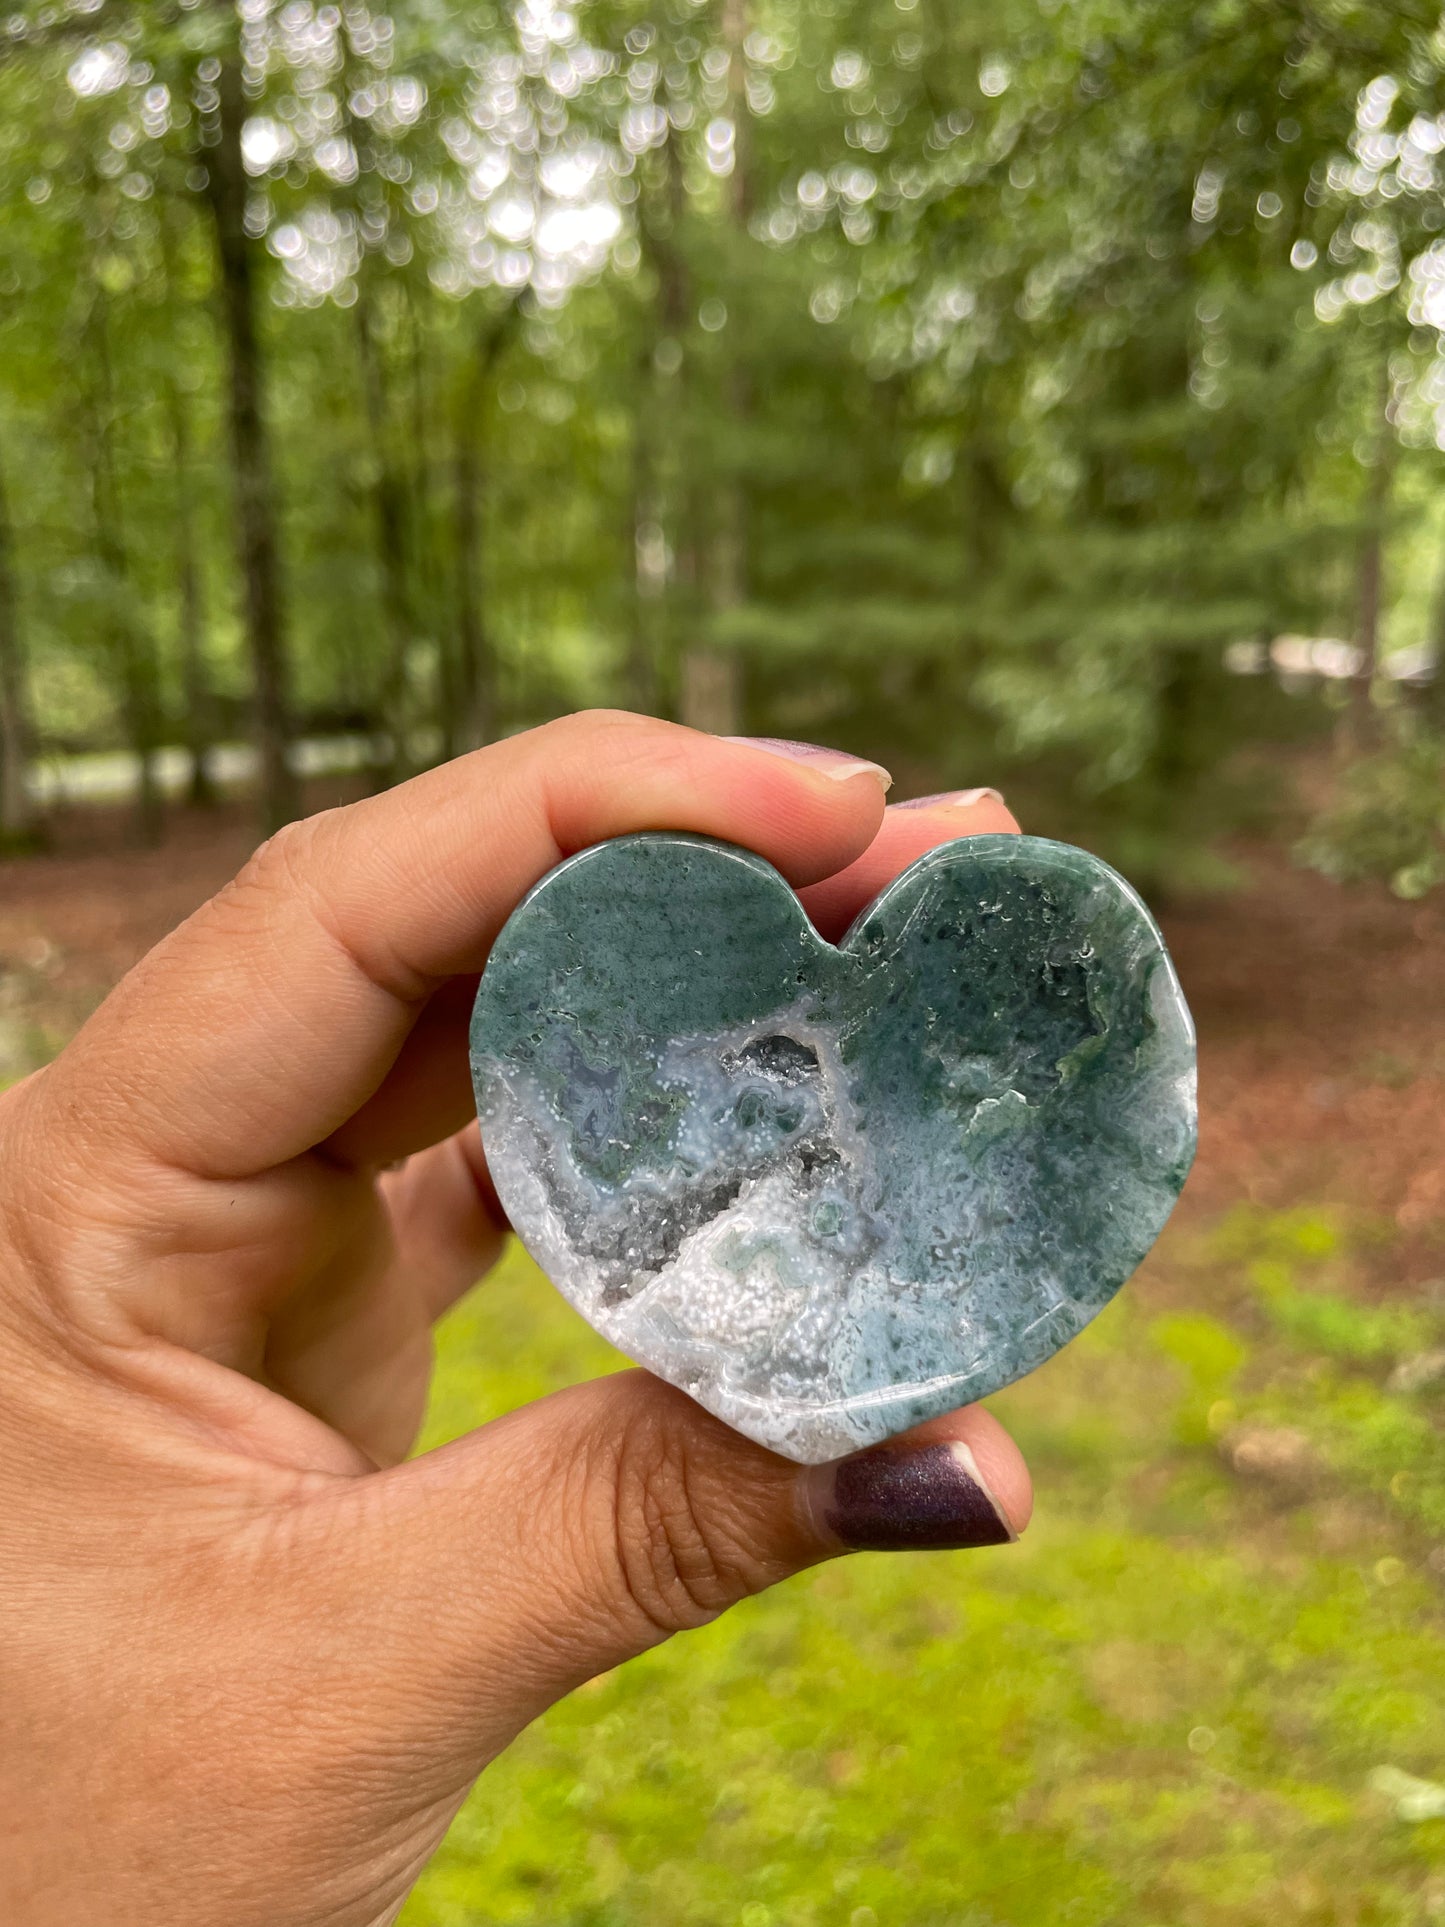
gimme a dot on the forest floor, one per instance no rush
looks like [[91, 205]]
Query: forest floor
[[1207, 1688]]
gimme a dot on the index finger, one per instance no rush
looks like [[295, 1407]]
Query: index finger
[[267, 1019]]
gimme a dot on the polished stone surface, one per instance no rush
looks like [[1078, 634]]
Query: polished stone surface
[[831, 1192]]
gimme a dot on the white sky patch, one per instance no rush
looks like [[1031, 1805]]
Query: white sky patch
[[528, 198], [571, 176], [99, 70], [583, 232], [265, 142]]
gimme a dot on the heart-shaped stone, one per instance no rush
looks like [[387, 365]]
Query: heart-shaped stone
[[832, 1191]]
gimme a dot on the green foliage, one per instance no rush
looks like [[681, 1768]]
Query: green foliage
[[1343, 1329], [1165, 1705], [1210, 1355], [1339, 1370], [970, 377], [1388, 821]]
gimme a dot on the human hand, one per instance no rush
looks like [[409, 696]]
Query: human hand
[[249, 1662]]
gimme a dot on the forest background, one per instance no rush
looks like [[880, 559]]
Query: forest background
[[990, 386], [1046, 393]]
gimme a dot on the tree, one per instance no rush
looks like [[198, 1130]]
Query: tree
[[961, 381], [17, 819], [257, 532]]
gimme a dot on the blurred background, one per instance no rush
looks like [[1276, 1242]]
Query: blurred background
[[1046, 393]]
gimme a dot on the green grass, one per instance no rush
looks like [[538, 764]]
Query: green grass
[[1163, 1708]]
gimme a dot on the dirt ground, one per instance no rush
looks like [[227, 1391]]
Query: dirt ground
[[1321, 1012]]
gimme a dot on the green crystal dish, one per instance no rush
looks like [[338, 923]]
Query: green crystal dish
[[831, 1191]]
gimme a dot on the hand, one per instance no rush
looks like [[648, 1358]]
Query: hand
[[249, 1662]]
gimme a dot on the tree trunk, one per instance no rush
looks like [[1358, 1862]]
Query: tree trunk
[[1358, 723], [198, 720], [388, 497], [1432, 697], [1174, 773], [676, 481], [17, 815], [256, 518], [474, 692], [640, 532], [420, 493], [710, 696], [132, 653], [711, 693]]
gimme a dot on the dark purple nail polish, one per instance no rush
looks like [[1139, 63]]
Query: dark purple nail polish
[[926, 1498]]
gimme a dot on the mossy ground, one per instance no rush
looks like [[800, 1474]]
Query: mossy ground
[[1163, 1708]]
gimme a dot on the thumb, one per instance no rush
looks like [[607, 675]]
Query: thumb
[[556, 1542]]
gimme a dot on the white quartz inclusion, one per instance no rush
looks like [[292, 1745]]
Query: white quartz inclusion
[[756, 1314]]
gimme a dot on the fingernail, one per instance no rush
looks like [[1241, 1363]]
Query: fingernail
[[922, 1498], [951, 800], [817, 756]]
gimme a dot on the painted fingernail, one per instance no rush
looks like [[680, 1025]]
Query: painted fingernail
[[922, 1498], [951, 800], [817, 756]]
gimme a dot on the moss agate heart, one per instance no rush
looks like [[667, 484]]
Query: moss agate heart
[[831, 1192]]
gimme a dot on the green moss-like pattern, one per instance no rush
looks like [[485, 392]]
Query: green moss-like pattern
[[832, 1191]]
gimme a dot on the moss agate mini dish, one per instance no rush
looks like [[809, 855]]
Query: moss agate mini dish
[[833, 1191]]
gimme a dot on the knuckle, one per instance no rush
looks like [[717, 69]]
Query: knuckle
[[274, 873], [592, 722], [284, 861], [680, 1561], [608, 736]]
